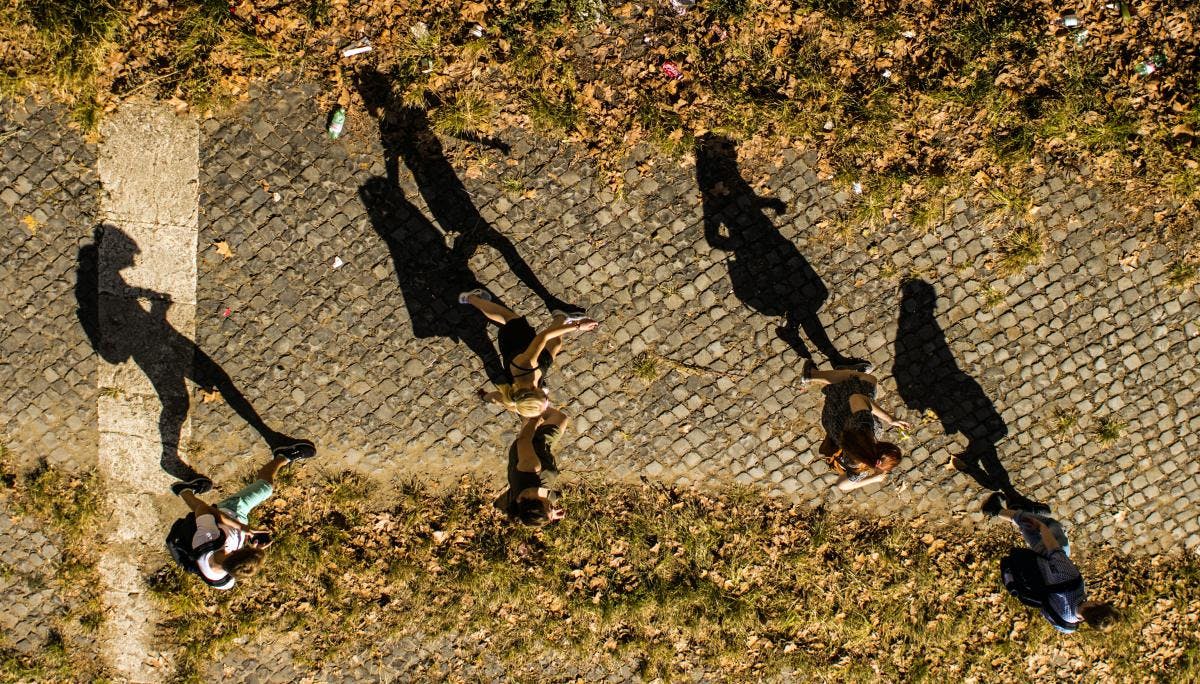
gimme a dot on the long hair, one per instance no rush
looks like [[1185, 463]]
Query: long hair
[[527, 403], [862, 452], [531, 512], [244, 562]]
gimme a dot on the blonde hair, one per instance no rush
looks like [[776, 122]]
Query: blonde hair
[[527, 403]]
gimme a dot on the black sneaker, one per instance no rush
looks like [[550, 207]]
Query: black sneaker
[[199, 485], [993, 505], [296, 451]]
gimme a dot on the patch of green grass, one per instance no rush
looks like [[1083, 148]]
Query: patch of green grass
[[1023, 247], [1063, 422], [1182, 275], [465, 112], [992, 297], [645, 368], [1109, 430], [513, 185]]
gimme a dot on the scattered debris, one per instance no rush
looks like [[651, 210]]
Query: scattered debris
[[1150, 66], [361, 47], [681, 7], [337, 262], [672, 70], [223, 249], [419, 30]]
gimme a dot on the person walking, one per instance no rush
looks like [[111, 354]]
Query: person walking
[[1043, 576], [853, 424], [527, 354], [532, 497], [217, 542]]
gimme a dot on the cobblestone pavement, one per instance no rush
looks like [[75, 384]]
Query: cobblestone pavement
[[687, 380], [31, 603], [48, 189]]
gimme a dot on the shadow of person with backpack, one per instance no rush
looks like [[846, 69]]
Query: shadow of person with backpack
[[121, 329], [928, 378]]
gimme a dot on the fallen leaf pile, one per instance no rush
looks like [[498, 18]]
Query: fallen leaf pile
[[671, 579], [907, 95]]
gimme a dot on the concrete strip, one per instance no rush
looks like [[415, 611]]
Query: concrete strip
[[148, 165]]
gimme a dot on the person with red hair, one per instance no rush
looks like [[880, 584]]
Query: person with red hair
[[853, 424]]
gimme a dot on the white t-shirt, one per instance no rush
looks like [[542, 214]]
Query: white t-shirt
[[208, 529]]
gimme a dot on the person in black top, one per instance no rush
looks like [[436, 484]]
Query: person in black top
[[526, 353], [532, 494], [853, 423]]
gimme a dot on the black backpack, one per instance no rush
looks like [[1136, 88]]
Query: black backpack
[[179, 544], [1023, 579]]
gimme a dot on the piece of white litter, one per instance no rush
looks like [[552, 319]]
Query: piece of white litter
[[887, 73], [276, 197], [338, 263], [828, 125], [909, 34], [350, 52], [857, 188]]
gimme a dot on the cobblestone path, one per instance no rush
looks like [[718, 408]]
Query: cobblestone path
[[687, 380]]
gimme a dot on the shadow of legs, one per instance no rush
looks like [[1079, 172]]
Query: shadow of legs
[[810, 321], [207, 373], [175, 404]]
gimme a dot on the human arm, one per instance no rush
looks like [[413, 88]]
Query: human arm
[[527, 458], [845, 484], [890, 420], [528, 358]]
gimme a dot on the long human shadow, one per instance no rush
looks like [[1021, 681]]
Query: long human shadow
[[928, 377], [407, 136], [120, 329], [768, 272], [429, 273]]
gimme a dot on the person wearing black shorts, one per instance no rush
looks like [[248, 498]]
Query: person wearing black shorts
[[526, 352], [532, 497]]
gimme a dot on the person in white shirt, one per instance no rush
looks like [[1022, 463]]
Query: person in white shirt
[[241, 553]]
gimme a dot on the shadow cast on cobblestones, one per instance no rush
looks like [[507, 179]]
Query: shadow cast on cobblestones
[[768, 273], [120, 329], [406, 135], [928, 378]]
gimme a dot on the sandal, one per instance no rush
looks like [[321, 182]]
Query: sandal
[[806, 373], [569, 317], [481, 293]]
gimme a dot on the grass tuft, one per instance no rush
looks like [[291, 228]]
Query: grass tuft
[[1020, 249], [1182, 275], [645, 368], [465, 112], [1063, 422], [1109, 430]]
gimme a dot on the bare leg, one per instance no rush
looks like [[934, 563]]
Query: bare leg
[[820, 378], [268, 472], [496, 313], [554, 346]]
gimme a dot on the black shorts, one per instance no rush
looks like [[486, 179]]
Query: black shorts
[[514, 338]]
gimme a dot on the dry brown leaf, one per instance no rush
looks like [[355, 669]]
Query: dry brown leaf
[[223, 249]]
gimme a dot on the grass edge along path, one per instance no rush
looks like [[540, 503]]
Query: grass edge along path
[[72, 507], [905, 102], [736, 582]]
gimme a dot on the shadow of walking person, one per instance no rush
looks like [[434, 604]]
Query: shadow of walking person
[[768, 272], [120, 329], [406, 135], [430, 275], [928, 377]]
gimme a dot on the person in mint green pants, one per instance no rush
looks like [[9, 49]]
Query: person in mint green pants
[[241, 552]]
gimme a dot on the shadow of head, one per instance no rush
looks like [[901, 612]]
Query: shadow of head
[[119, 250], [917, 296], [715, 152]]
